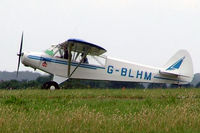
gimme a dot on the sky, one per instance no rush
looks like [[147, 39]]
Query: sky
[[143, 31]]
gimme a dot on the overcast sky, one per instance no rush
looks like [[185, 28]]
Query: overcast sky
[[143, 31]]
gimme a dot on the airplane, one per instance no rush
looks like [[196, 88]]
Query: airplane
[[78, 59]]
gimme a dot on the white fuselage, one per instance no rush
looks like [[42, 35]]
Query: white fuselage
[[113, 70]]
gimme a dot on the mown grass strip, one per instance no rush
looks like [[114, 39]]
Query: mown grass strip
[[170, 110]]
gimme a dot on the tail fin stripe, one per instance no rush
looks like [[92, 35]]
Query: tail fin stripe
[[177, 64]]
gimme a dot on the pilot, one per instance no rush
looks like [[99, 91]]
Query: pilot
[[65, 52], [85, 60]]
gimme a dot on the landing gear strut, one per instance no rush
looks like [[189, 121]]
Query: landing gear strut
[[50, 85]]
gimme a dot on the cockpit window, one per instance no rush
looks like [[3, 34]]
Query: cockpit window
[[52, 50], [49, 52]]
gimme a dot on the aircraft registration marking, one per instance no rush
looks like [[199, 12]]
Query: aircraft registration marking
[[129, 72]]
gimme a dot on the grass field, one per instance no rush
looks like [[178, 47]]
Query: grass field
[[97, 111]]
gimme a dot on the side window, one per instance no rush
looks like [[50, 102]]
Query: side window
[[96, 60], [90, 59]]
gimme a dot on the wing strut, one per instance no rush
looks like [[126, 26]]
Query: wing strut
[[69, 58], [85, 54]]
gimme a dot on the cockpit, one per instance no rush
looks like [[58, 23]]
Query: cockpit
[[62, 51]]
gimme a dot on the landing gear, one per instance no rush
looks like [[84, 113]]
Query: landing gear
[[50, 85]]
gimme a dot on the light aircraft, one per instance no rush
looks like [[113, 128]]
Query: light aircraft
[[77, 59]]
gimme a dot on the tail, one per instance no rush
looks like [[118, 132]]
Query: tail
[[180, 65]]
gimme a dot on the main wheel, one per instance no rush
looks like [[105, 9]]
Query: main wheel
[[50, 85]]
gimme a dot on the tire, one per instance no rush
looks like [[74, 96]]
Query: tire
[[50, 85]]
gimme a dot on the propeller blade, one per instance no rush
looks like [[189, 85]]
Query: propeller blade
[[20, 53], [18, 66]]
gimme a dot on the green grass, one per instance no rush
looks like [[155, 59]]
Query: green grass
[[95, 110]]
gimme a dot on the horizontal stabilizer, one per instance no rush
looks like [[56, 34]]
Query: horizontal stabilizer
[[168, 73]]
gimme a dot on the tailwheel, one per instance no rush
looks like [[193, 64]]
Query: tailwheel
[[50, 85]]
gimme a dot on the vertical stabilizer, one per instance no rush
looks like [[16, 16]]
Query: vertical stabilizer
[[180, 64]]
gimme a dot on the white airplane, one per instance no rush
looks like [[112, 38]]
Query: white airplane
[[78, 59]]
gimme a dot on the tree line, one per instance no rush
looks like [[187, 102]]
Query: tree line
[[81, 84]]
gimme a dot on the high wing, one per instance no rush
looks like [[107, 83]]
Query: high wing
[[82, 46]]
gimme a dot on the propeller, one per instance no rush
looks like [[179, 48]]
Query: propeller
[[20, 53]]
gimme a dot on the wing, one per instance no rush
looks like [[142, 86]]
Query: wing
[[82, 46]]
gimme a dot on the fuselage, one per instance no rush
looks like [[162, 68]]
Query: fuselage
[[112, 70]]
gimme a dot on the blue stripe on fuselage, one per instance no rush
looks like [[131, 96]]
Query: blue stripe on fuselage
[[63, 62]]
